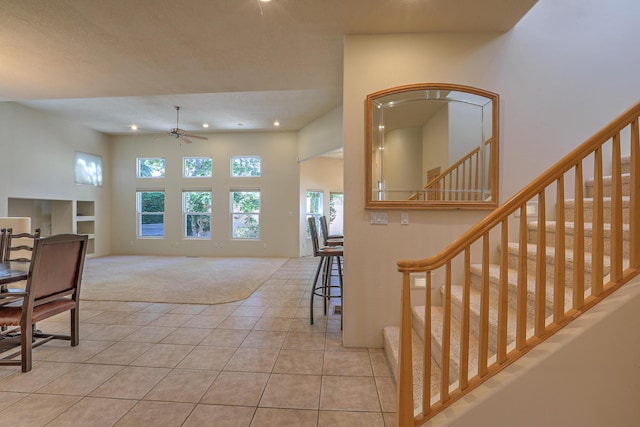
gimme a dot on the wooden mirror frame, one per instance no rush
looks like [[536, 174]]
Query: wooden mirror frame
[[486, 201]]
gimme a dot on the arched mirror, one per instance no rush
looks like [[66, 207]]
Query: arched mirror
[[432, 146]]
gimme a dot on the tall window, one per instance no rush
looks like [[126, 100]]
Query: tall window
[[151, 167], [336, 213], [150, 213], [246, 166], [196, 208], [245, 214], [196, 167], [315, 200]]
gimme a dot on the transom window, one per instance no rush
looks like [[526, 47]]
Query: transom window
[[245, 214], [150, 213], [196, 167], [196, 208], [151, 167], [246, 166]]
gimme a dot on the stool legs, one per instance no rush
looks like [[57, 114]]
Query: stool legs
[[325, 267]]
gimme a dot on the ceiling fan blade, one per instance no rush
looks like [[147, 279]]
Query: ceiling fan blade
[[185, 139], [196, 136]]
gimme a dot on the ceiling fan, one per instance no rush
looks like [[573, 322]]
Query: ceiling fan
[[180, 133]]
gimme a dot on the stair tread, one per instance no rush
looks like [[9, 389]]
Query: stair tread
[[532, 249]]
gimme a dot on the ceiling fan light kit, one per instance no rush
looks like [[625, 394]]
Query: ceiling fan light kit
[[182, 134]]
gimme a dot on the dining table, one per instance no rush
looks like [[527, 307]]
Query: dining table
[[12, 272]]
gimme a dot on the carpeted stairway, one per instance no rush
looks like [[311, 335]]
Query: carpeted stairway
[[391, 333]]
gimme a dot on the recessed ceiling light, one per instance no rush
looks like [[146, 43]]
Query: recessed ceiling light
[[134, 127], [205, 125], [265, 1], [276, 123]]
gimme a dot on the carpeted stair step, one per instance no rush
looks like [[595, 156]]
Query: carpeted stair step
[[494, 286], [550, 236], [391, 336], [569, 208], [606, 186], [513, 257], [436, 340]]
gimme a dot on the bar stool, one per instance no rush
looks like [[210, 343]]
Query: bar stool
[[327, 255]]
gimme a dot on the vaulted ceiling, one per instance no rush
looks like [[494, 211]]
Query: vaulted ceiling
[[234, 64]]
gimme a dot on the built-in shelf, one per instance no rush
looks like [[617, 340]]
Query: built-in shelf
[[85, 222]]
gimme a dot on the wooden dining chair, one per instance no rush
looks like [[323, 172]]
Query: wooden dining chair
[[19, 246], [53, 287], [3, 242]]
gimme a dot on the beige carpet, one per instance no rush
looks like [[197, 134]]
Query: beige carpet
[[185, 280]]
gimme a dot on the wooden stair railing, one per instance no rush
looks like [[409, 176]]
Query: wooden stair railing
[[460, 181], [532, 324]]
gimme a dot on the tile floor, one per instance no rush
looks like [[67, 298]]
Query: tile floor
[[255, 362]]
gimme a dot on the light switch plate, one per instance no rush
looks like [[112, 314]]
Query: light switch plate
[[404, 218], [380, 218]]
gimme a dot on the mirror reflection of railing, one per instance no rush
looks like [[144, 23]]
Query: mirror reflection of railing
[[416, 131], [460, 182]]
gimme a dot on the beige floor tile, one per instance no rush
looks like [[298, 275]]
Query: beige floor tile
[[390, 419], [82, 380], [210, 358], [292, 391], [41, 374], [252, 360], [273, 417], [379, 364], [170, 319], [85, 350], [264, 339], [8, 398], [356, 364], [225, 337], [163, 355], [236, 388], [94, 412], [189, 309], [133, 382], [273, 324], [349, 394], [183, 385], [240, 322], [193, 336], [35, 410], [304, 341], [291, 299], [140, 318], [150, 333], [120, 353], [204, 321], [350, 419], [113, 332], [166, 414], [301, 324], [220, 309], [108, 317], [299, 362], [249, 311], [286, 312], [220, 416], [160, 307], [387, 394]]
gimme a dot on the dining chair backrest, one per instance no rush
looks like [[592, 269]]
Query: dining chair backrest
[[325, 229], [19, 246], [313, 230], [3, 242]]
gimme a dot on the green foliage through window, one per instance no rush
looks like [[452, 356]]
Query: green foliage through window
[[245, 214], [151, 168], [197, 213], [151, 213], [197, 167], [246, 166]]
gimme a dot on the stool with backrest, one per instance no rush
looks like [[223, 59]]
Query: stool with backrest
[[327, 255], [329, 239]]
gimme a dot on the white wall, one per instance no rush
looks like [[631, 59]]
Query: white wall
[[321, 136], [566, 70], [37, 162], [278, 184]]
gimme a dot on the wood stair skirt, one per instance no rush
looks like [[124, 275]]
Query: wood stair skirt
[[391, 333]]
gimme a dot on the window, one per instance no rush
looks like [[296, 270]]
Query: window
[[245, 166], [150, 213], [315, 201], [196, 208], [88, 169], [196, 167], [245, 214], [336, 213], [151, 167]]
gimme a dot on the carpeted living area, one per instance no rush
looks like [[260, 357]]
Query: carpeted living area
[[186, 280]]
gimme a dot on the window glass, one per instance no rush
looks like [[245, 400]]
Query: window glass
[[150, 213], [196, 208], [195, 167], [315, 202], [245, 214], [151, 167], [336, 213], [245, 166]]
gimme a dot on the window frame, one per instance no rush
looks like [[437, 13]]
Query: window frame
[[184, 167], [233, 212], [316, 215], [186, 214], [231, 161], [140, 214], [164, 167]]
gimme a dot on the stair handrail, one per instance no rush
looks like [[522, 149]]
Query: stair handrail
[[555, 174]]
